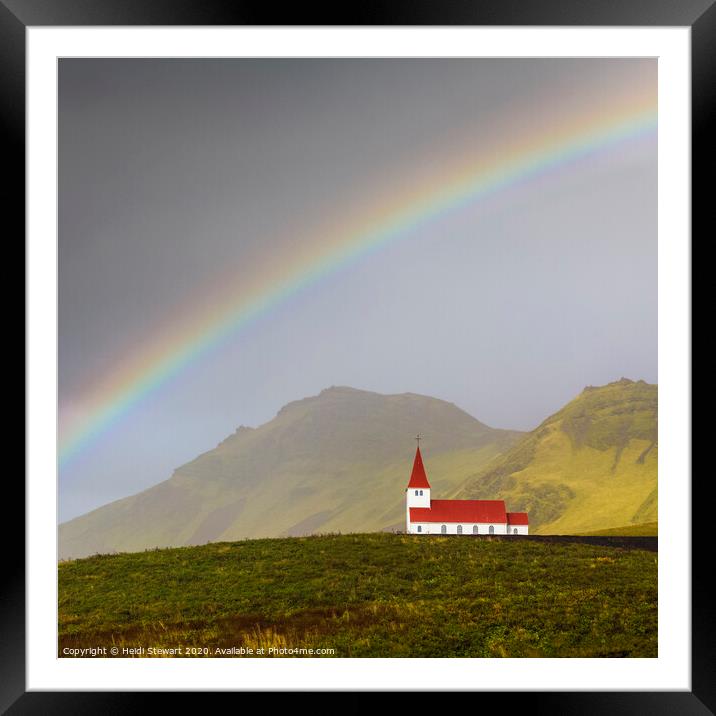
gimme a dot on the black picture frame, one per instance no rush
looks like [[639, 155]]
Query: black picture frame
[[699, 15]]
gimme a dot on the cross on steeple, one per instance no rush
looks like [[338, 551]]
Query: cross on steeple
[[417, 437]]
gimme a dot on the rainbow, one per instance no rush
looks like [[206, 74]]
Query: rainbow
[[241, 301]]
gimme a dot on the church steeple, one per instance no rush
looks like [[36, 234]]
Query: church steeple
[[417, 493], [418, 478]]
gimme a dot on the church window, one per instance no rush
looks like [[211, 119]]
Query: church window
[[416, 492], [420, 528], [492, 530], [474, 529], [443, 529], [459, 529], [421, 492], [514, 531]]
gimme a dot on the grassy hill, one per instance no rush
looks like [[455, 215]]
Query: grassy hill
[[590, 466], [645, 529], [338, 461], [366, 595]]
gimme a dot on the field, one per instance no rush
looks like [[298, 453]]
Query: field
[[648, 529], [367, 595]]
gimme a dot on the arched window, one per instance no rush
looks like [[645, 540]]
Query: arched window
[[514, 531], [416, 492], [420, 528], [474, 529], [459, 529], [421, 492], [443, 529], [492, 530]]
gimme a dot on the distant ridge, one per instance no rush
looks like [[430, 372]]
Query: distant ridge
[[590, 466], [334, 462], [339, 462]]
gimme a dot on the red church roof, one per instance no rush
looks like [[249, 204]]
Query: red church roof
[[462, 511], [418, 478], [517, 518]]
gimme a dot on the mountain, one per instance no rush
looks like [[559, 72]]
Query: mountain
[[590, 466], [335, 462]]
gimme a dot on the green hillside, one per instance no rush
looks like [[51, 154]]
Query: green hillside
[[645, 529], [366, 595], [590, 466], [338, 461]]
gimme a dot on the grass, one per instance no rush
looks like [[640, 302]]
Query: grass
[[648, 529], [368, 595]]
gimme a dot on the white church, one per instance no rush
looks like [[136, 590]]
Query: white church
[[473, 517]]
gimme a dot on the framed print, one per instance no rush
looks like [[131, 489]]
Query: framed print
[[359, 352]]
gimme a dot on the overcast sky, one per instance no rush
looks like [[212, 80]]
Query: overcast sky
[[172, 171]]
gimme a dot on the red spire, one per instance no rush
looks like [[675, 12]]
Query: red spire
[[418, 478]]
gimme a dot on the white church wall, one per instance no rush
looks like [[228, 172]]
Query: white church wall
[[434, 528], [521, 529], [418, 497], [414, 498]]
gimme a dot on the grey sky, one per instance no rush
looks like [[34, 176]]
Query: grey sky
[[173, 170]]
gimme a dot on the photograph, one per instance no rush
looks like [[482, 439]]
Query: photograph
[[357, 357]]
